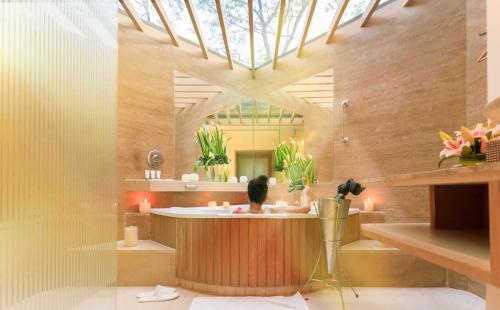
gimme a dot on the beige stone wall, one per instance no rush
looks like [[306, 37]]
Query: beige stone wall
[[405, 78], [145, 108], [475, 73]]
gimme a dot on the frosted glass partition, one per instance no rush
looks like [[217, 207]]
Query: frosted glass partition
[[57, 153]]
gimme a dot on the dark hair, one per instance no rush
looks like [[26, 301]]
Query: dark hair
[[257, 189]]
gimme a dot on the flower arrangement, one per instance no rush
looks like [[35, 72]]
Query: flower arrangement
[[213, 147], [469, 146], [299, 169]]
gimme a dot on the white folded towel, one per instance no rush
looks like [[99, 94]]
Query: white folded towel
[[158, 290], [164, 296]]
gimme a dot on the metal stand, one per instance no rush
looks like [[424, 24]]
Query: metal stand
[[331, 283]]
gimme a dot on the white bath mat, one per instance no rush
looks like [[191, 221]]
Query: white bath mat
[[295, 302]]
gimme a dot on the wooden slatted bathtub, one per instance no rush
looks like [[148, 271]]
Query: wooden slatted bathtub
[[245, 254]]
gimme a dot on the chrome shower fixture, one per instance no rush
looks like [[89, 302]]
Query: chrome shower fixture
[[344, 104]]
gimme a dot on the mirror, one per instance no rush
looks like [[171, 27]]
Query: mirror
[[253, 130]]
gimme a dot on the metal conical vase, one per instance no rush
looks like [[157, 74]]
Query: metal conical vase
[[333, 215]]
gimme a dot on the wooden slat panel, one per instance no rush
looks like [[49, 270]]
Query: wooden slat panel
[[202, 254], [316, 80], [210, 251], [226, 252], [235, 252], [217, 252], [189, 231], [288, 252], [261, 254], [271, 253], [244, 252], [197, 88], [312, 94], [252, 252], [303, 251], [309, 87], [295, 251], [196, 250], [280, 261]]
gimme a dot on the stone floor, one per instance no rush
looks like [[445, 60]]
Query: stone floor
[[369, 298]]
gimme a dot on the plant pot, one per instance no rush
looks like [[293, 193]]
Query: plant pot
[[209, 173], [333, 214], [220, 173], [472, 160]]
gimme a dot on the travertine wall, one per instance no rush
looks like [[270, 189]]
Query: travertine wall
[[475, 73], [145, 108], [405, 78]]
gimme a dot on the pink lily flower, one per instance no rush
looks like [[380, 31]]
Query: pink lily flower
[[484, 144], [453, 148]]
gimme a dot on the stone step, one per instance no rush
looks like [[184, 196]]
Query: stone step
[[372, 263], [147, 264]]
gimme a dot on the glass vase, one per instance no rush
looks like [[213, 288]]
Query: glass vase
[[472, 160], [209, 173]]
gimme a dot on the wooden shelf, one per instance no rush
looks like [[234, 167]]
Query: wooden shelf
[[463, 175], [179, 186], [464, 251]]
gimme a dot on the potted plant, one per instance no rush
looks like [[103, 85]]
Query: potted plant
[[213, 157], [468, 146]]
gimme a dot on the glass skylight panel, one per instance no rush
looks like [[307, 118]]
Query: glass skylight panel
[[208, 20], [354, 9], [236, 22], [178, 16], [293, 24], [265, 18], [322, 18]]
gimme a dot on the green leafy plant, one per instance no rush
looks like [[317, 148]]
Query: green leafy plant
[[213, 146], [299, 169]]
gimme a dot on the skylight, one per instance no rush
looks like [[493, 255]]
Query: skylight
[[236, 21]]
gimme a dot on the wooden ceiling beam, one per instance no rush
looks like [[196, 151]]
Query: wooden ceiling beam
[[336, 20], [292, 118], [220, 14], [136, 19], [250, 30], [483, 56], [163, 17], [407, 3], [281, 115], [269, 114], [372, 6], [281, 17], [303, 38], [196, 27]]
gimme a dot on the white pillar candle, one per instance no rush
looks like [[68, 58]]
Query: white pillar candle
[[212, 203], [233, 179], [158, 174], [131, 236], [272, 181], [243, 179], [226, 204], [144, 206], [194, 177], [369, 204], [147, 174]]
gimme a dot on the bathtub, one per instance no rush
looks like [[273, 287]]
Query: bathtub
[[221, 212], [221, 253]]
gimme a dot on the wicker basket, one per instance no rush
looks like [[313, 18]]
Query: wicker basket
[[493, 151]]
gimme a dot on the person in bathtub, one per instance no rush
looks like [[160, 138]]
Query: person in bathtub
[[257, 193]]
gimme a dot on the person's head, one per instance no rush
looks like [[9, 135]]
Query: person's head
[[257, 190]]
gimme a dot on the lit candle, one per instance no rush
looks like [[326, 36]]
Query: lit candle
[[147, 174], [131, 236], [226, 204], [369, 204], [145, 206], [212, 203]]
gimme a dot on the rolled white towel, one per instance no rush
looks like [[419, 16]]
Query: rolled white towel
[[164, 296], [158, 290]]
